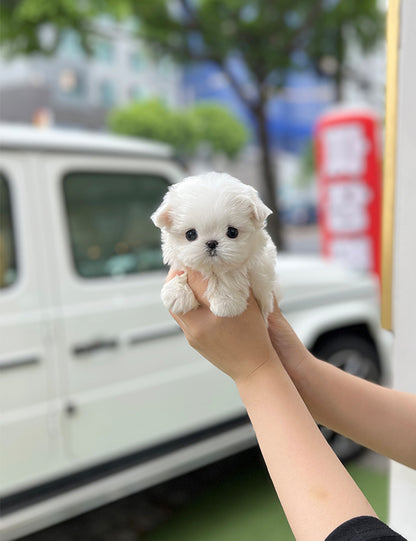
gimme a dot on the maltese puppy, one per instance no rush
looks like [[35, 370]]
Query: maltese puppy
[[213, 223]]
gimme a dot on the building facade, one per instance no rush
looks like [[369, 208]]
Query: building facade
[[77, 90]]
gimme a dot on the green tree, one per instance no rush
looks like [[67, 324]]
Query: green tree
[[33, 26], [152, 119], [185, 130], [219, 128], [269, 37]]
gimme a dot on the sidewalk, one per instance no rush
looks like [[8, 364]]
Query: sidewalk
[[302, 239]]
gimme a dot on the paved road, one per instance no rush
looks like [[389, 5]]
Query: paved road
[[304, 240]]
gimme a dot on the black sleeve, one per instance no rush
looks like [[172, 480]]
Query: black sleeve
[[364, 529]]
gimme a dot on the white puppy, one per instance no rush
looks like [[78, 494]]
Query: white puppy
[[213, 223]]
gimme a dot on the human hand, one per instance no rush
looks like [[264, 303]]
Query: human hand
[[236, 345]]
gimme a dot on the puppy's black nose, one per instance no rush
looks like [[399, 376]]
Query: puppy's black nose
[[212, 244]]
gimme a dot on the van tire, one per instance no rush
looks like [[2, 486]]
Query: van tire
[[355, 355]]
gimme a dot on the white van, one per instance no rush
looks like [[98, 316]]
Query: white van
[[100, 394]]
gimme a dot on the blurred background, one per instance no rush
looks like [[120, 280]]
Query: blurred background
[[235, 86], [232, 85]]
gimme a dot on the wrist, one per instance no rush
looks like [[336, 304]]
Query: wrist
[[302, 372], [294, 355], [256, 381]]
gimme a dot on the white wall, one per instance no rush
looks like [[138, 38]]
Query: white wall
[[403, 480]]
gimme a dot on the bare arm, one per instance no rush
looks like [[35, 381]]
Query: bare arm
[[381, 419], [315, 490]]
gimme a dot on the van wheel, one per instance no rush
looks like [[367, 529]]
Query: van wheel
[[355, 355]]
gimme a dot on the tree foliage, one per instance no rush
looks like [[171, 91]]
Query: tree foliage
[[152, 119], [265, 34], [37, 26], [268, 37], [185, 130], [219, 128]]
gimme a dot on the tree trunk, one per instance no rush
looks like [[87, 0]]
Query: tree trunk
[[270, 180], [339, 80], [339, 74]]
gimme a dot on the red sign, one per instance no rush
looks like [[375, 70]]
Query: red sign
[[348, 152]]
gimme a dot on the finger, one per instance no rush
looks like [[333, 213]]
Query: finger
[[195, 280], [276, 308], [178, 319], [198, 284], [192, 320], [172, 273]]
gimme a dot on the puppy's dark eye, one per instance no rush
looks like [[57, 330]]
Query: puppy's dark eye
[[232, 232], [191, 234]]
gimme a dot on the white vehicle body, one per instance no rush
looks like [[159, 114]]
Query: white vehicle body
[[100, 395]]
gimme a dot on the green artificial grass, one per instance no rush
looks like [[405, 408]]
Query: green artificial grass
[[243, 506], [374, 485]]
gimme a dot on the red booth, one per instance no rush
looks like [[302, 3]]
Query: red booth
[[348, 157]]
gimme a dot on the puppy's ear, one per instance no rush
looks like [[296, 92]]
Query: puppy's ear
[[260, 212], [257, 209], [161, 217]]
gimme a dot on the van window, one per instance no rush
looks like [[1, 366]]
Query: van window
[[8, 265], [109, 222]]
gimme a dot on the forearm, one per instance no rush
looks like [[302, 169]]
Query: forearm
[[315, 490], [381, 419]]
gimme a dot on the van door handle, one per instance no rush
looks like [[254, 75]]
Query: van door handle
[[20, 359], [146, 334], [96, 345]]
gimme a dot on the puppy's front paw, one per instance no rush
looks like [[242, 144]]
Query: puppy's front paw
[[227, 307], [177, 296]]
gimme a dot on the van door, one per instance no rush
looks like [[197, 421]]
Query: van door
[[132, 382], [29, 440]]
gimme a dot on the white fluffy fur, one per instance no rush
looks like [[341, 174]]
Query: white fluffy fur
[[210, 203]]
